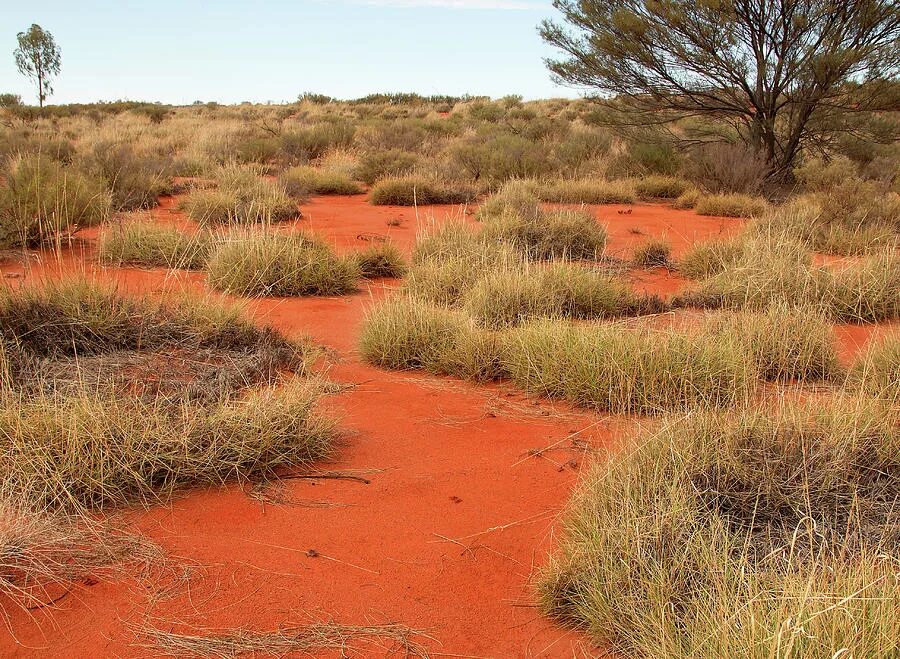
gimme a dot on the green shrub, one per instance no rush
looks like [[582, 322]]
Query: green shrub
[[151, 244], [731, 205], [313, 142], [258, 150], [279, 265], [654, 157], [385, 164], [413, 190], [757, 534], [42, 198]]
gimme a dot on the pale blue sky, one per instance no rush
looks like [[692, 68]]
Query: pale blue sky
[[231, 51]]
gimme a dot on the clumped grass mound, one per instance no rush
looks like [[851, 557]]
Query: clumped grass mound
[[661, 187], [383, 164], [687, 199], [242, 197], [543, 235], [381, 260], [621, 370], [412, 190], [42, 198], [711, 257], [261, 263], [731, 205], [755, 534], [91, 451], [135, 180], [517, 197], [155, 245], [300, 182], [653, 253], [877, 372], [588, 191], [509, 296]]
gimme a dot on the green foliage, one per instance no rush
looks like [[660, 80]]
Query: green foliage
[[385, 164], [38, 57]]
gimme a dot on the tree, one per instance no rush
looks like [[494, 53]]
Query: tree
[[38, 57], [780, 74]]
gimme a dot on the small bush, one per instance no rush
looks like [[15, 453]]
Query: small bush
[[375, 166], [155, 245], [417, 190], [381, 260], [661, 187], [258, 150], [499, 158], [517, 197], [588, 191], [749, 534], [727, 168], [310, 143], [300, 182], [42, 198], [877, 372], [135, 180], [731, 205], [279, 265], [653, 253], [620, 370], [242, 197], [509, 296]]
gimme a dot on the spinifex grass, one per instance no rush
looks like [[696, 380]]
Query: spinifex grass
[[152, 244]]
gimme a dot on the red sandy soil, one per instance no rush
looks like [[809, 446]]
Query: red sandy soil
[[453, 528]]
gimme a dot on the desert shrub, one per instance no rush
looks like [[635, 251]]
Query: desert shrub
[[572, 234], [302, 181], [242, 197], [507, 297], [758, 533], [731, 205], [588, 191], [652, 253], [723, 168], [306, 144], [517, 197], [820, 176], [654, 157], [385, 164], [711, 257], [134, 180], [621, 370], [27, 143], [786, 342], [152, 244], [687, 199], [877, 372], [279, 265], [42, 198], [580, 149], [258, 150], [412, 190], [91, 451], [501, 157], [380, 260], [410, 334], [661, 187]]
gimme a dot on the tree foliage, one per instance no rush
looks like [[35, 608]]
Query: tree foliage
[[38, 57], [780, 74]]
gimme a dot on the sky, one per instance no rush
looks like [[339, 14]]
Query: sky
[[272, 50]]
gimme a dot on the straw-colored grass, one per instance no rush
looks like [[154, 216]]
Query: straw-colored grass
[[381, 260], [877, 371], [661, 187], [588, 191], [300, 182], [652, 253], [156, 245], [766, 533], [708, 258], [559, 234], [265, 263], [243, 196], [415, 190]]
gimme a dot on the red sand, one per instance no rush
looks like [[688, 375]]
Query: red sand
[[448, 536]]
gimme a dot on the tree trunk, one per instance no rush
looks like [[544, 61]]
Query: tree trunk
[[41, 90]]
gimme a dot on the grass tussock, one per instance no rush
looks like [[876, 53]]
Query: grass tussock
[[708, 258], [544, 235], [300, 182], [731, 205], [242, 196], [155, 245], [415, 190], [588, 191], [652, 253], [507, 297], [381, 260], [877, 372], [43, 198], [687, 199], [755, 534], [262, 263], [661, 187]]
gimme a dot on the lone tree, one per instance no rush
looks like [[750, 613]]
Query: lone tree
[[781, 74], [38, 58]]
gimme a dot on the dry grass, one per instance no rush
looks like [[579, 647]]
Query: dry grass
[[756, 534], [300, 182], [242, 197], [150, 244], [380, 260], [708, 258], [661, 187], [264, 263], [588, 191], [559, 234], [413, 190], [877, 372], [652, 253]]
